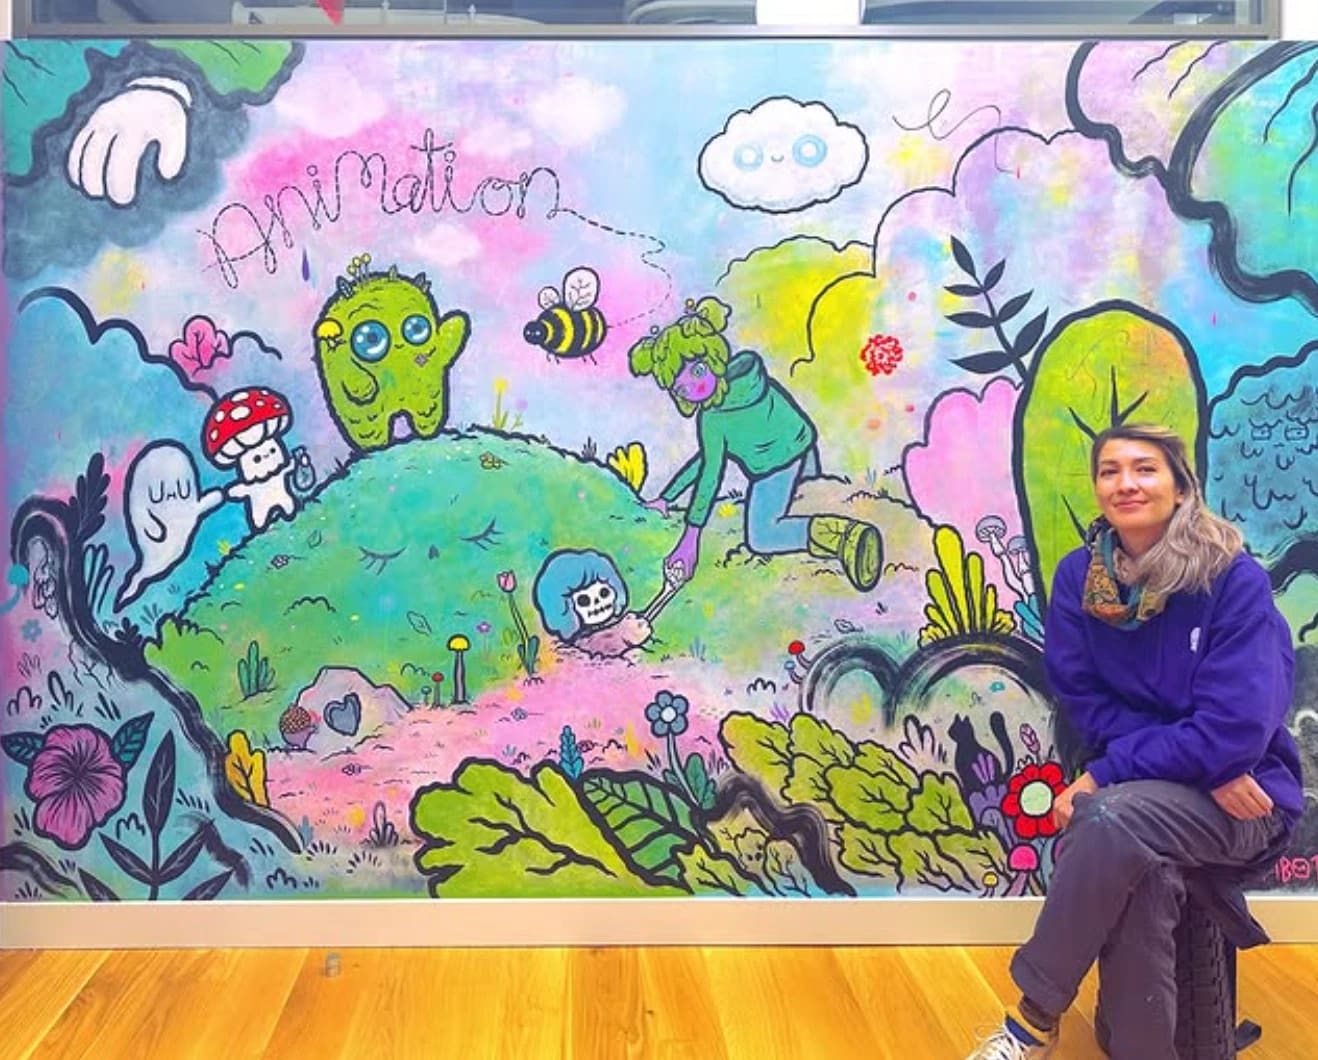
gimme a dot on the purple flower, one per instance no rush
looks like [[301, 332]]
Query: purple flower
[[76, 784]]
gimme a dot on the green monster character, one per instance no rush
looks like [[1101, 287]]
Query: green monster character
[[383, 350], [744, 415]]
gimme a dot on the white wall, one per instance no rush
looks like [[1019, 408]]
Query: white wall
[[1299, 19]]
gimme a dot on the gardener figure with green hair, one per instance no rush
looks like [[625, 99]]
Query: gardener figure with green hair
[[744, 415]]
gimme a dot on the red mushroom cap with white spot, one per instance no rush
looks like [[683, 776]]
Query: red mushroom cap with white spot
[[241, 420]]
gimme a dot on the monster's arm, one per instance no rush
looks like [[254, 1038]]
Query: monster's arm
[[359, 386], [451, 336]]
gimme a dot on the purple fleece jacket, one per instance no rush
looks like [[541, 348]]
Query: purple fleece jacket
[[1197, 695]]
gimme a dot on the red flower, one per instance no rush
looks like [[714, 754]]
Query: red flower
[[881, 354], [507, 581], [1031, 793]]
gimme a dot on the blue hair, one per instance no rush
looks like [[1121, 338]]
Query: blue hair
[[561, 575]]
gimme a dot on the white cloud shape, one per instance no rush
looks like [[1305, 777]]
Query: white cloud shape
[[783, 156], [576, 110], [302, 102], [496, 138]]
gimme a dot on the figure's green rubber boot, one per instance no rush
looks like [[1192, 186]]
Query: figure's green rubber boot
[[858, 545]]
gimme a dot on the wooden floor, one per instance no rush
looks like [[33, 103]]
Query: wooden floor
[[586, 1004]]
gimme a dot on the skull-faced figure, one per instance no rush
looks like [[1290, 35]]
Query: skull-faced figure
[[596, 604], [582, 600]]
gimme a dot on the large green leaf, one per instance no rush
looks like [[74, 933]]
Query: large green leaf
[[873, 802], [939, 806], [866, 852], [707, 873], [757, 748], [949, 862], [489, 833], [1110, 364], [648, 822], [815, 748]]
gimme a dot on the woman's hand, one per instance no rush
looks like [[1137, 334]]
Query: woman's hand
[[1243, 799], [657, 505], [1084, 784]]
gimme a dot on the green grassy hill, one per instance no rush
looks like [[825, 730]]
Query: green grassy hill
[[403, 551]]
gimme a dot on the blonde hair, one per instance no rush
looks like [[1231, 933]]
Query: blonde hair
[[1197, 545]]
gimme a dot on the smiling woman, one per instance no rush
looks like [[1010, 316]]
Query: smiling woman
[[1171, 661]]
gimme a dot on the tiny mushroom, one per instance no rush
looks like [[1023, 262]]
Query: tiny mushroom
[[240, 421], [438, 678], [245, 428], [458, 645], [797, 650]]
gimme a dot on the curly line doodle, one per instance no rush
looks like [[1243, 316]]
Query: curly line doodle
[[938, 104]]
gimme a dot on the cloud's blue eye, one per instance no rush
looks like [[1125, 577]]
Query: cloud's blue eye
[[1297, 432], [416, 329], [809, 150], [1261, 432], [370, 340], [748, 156]]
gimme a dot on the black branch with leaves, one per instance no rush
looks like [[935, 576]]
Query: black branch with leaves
[[64, 529], [157, 802], [1010, 351]]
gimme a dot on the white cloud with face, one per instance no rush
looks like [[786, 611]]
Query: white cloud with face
[[782, 156]]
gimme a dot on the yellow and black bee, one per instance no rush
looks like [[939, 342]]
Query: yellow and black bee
[[569, 325]]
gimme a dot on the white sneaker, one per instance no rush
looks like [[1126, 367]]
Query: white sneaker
[[1012, 1041]]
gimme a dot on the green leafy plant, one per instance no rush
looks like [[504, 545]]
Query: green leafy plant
[[569, 755], [887, 820], [528, 643], [489, 832], [1010, 351], [960, 600], [255, 674]]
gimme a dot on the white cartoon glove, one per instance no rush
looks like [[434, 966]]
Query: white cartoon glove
[[107, 152]]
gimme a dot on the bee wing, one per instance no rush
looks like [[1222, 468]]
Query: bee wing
[[549, 297], [581, 287]]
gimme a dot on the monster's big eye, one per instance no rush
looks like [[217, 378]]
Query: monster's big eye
[[416, 329], [809, 150], [370, 340], [748, 156]]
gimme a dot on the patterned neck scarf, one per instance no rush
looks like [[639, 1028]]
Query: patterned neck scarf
[[1123, 606]]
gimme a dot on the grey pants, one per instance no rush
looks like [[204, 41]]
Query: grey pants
[[1116, 895]]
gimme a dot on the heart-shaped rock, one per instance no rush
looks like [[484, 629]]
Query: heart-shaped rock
[[344, 715]]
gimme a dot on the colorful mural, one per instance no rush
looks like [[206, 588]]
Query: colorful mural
[[460, 469]]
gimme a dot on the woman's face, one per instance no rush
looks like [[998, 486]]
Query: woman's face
[[695, 382], [1136, 491]]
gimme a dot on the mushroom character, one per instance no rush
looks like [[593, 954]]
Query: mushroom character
[[458, 645], [246, 428]]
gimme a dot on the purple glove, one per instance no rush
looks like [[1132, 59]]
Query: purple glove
[[685, 554]]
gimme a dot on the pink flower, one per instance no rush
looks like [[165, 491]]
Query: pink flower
[[507, 581], [201, 346], [76, 784]]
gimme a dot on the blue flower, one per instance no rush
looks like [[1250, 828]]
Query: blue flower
[[667, 714], [31, 629]]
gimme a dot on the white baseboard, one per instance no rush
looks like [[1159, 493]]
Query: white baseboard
[[557, 922]]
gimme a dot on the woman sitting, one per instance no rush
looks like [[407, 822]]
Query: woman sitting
[[1174, 666]]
